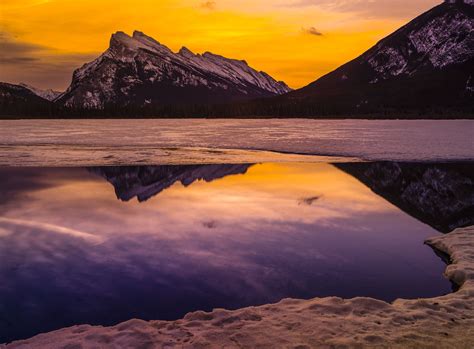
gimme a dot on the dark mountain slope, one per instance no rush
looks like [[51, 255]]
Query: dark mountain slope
[[426, 65], [18, 100]]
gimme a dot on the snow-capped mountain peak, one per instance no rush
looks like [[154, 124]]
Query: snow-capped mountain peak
[[139, 70], [125, 47], [185, 52], [48, 94]]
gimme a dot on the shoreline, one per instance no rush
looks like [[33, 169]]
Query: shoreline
[[396, 117], [444, 322]]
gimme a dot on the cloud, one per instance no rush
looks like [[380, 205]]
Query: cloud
[[37, 65], [12, 60], [308, 201], [210, 224], [53, 228], [21, 182], [15, 183], [13, 52], [208, 5], [312, 31], [369, 9]]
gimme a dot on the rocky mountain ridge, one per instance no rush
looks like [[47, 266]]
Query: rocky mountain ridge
[[138, 70], [424, 69]]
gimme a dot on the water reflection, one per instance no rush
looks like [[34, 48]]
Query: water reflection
[[441, 195], [218, 236], [144, 182]]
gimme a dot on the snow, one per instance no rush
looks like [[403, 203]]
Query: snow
[[441, 322], [446, 40], [185, 69], [469, 2], [48, 94], [185, 52], [388, 61], [127, 41], [237, 71], [470, 84], [92, 100], [101, 142], [150, 43]]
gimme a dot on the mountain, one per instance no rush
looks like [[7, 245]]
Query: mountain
[[18, 100], [426, 65], [140, 71], [144, 182], [49, 94], [440, 195], [424, 69]]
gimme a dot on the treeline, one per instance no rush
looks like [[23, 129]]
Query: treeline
[[270, 108], [40, 109]]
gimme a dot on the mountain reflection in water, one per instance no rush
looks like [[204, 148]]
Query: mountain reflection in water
[[219, 236], [144, 182], [441, 195]]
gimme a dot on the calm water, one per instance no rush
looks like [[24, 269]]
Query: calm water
[[127, 142], [103, 245]]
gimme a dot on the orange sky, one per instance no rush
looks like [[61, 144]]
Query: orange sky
[[43, 41]]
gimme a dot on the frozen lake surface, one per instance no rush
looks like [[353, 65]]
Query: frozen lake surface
[[191, 141]]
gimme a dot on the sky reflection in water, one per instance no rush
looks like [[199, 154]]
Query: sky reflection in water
[[72, 253]]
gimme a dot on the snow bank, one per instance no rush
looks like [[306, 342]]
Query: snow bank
[[442, 322]]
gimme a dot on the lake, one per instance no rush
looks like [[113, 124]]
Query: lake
[[83, 240], [164, 241]]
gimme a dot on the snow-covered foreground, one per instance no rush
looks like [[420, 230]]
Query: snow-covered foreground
[[442, 322]]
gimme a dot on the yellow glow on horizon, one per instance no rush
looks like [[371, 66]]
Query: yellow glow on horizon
[[269, 35]]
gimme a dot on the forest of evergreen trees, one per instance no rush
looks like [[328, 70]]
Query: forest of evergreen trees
[[254, 109]]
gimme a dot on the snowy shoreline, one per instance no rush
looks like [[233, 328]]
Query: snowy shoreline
[[442, 322]]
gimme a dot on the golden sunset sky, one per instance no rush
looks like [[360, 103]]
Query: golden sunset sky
[[297, 41]]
